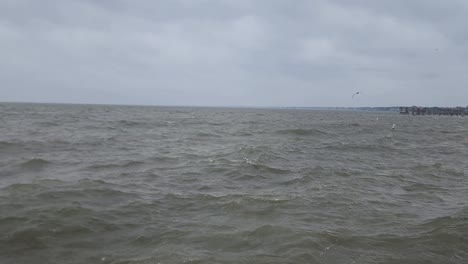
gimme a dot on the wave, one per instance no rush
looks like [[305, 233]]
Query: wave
[[302, 132], [437, 167], [255, 150], [49, 124], [58, 190], [235, 175], [35, 164], [7, 144], [86, 195], [218, 123], [266, 168], [123, 164], [128, 123], [306, 179], [424, 188], [454, 224], [242, 134], [207, 135], [33, 186], [28, 239], [360, 147]]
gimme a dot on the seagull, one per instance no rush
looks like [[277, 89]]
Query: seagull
[[356, 94]]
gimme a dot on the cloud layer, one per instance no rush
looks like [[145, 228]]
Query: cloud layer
[[235, 52]]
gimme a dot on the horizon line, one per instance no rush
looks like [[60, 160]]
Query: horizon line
[[207, 106]]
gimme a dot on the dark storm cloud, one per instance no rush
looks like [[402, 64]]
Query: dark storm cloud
[[226, 52]]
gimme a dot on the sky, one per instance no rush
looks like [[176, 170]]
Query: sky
[[235, 52]]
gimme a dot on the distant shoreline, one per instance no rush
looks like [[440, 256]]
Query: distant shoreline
[[323, 108]]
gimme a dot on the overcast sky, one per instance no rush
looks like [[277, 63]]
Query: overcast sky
[[235, 52]]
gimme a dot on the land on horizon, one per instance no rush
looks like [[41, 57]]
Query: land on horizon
[[344, 108]]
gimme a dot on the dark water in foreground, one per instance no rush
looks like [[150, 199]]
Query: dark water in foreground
[[116, 184]]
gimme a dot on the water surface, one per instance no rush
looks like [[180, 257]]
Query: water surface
[[128, 184]]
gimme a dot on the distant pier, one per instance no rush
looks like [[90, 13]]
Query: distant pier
[[449, 111]]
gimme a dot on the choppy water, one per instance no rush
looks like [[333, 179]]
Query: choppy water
[[117, 184]]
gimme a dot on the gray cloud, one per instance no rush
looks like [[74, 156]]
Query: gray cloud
[[235, 52]]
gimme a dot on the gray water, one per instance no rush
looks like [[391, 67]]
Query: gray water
[[128, 184]]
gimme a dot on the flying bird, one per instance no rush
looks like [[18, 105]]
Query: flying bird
[[356, 94]]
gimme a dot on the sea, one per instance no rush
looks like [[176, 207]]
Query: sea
[[148, 184]]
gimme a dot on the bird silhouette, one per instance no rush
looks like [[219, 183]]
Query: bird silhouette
[[356, 94]]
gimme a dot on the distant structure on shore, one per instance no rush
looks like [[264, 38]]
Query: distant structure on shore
[[450, 111]]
